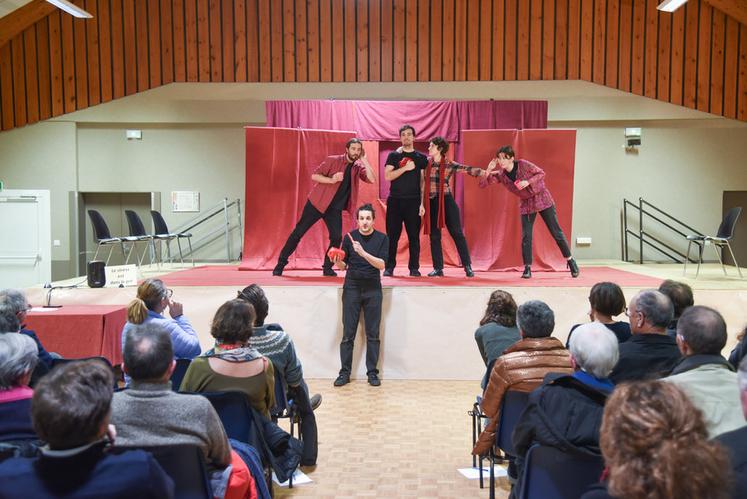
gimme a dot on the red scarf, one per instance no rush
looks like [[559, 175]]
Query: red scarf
[[441, 211]]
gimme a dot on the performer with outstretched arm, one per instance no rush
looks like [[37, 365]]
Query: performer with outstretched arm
[[526, 180], [335, 190], [440, 207]]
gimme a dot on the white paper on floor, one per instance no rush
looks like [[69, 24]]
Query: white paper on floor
[[474, 473], [299, 478]]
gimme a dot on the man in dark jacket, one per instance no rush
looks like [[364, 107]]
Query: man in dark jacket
[[566, 411], [650, 353], [736, 441]]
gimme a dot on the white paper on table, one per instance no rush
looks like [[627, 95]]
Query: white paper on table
[[299, 478], [474, 473], [42, 309]]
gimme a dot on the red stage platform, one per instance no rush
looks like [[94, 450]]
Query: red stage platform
[[231, 276]]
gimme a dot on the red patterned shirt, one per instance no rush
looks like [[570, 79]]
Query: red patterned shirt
[[449, 170], [534, 197]]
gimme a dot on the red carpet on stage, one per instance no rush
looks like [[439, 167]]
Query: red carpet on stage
[[232, 276]]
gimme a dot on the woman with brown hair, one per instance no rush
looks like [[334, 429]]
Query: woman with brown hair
[[232, 365], [656, 446], [153, 298], [607, 300], [497, 329]]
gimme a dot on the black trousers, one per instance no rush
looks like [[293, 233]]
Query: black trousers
[[405, 211], [550, 217], [357, 296], [454, 226], [308, 430], [332, 219]]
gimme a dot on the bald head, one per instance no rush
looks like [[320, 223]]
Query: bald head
[[650, 312], [703, 330]]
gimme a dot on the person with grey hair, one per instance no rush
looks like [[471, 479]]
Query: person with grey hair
[[649, 353], [523, 365], [18, 357], [735, 441], [703, 374], [16, 301], [566, 411]]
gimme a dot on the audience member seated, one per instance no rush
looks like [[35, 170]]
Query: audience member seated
[[18, 357], [681, 296], [271, 341], [232, 365], [736, 441], [523, 366], [607, 300], [9, 324], [739, 351], [566, 411], [650, 353], [16, 300], [497, 329], [150, 413], [655, 446], [703, 374], [70, 411], [153, 298]]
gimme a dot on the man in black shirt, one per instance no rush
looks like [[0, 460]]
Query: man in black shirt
[[404, 169], [365, 253]]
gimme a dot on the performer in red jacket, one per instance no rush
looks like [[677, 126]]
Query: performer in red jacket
[[526, 180], [335, 190]]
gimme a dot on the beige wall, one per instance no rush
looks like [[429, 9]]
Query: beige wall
[[193, 140]]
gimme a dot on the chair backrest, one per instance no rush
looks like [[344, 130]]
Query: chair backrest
[[281, 399], [59, 362], [185, 464], [726, 229], [512, 407], [552, 474], [135, 224], [179, 371], [235, 412], [100, 229], [159, 224]]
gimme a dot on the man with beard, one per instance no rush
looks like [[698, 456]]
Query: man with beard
[[365, 253], [335, 190], [404, 169]]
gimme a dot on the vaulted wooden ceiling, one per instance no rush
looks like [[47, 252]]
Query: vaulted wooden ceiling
[[51, 63]]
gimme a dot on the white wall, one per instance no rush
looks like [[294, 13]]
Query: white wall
[[193, 140]]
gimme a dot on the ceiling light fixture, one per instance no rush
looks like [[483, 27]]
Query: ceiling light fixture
[[70, 8], [666, 5]]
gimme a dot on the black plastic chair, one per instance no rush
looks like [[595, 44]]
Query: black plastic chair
[[552, 474], [234, 411], [163, 234], [185, 464], [56, 362], [137, 231], [724, 234], [103, 236], [512, 407], [284, 408], [179, 371]]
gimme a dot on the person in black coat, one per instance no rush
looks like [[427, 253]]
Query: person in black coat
[[736, 441], [566, 411]]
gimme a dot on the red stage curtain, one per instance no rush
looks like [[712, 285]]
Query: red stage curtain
[[491, 215], [279, 164]]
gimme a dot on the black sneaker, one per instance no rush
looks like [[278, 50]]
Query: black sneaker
[[527, 272], [278, 270], [373, 380], [573, 266], [342, 379], [414, 273], [316, 401], [388, 272], [329, 272], [436, 273]]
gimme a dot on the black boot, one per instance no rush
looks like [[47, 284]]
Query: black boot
[[436, 273], [468, 271], [278, 270], [573, 266], [527, 272]]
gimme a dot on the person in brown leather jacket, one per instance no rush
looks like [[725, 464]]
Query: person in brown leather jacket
[[523, 365]]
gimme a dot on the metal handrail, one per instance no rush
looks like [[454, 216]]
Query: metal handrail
[[225, 228], [643, 237]]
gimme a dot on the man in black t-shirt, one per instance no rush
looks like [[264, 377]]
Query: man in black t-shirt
[[404, 169], [365, 253]]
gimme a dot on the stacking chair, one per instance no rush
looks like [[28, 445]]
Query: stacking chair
[[56, 362], [103, 236], [512, 407], [724, 234], [285, 408], [235, 412], [179, 371], [552, 474], [163, 234], [137, 231], [185, 464]]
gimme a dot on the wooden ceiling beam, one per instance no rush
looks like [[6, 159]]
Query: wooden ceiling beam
[[736, 9], [17, 21]]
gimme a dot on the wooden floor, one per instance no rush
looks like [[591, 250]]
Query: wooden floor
[[402, 439]]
